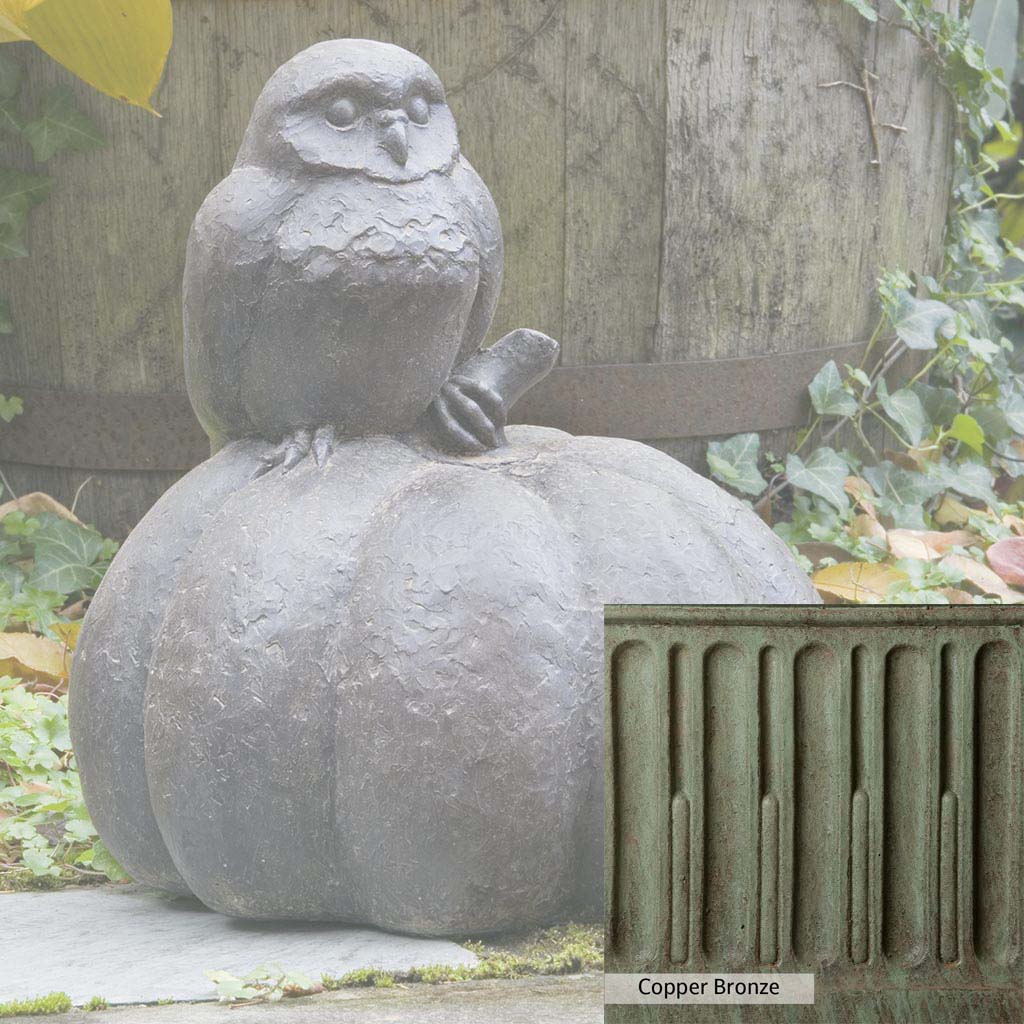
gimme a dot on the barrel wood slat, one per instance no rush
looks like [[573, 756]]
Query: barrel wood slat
[[675, 189]]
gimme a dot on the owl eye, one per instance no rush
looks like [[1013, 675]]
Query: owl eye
[[418, 110], [342, 113]]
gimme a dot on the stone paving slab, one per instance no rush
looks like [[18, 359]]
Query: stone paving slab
[[573, 1000], [129, 945]]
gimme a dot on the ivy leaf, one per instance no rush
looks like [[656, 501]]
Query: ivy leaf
[[17, 189], [864, 9], [824, 474], [103, 860], [904, 408], [66, 556], [12, 245], [6, 320], [827, 394], [981, 348], [734, 462], [940, 404], [18, 194], [901, 486], [1012, 404], [10, 407], [61, 127], [992, 421], [966, 428], [11, 118], [971, 479], [917, 321]]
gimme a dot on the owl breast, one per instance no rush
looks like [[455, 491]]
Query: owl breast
[[365, 305]]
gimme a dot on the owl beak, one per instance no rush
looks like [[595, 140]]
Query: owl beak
[[395, 142]]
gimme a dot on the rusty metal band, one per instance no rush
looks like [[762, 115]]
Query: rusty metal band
[[643, 401], [705, 398], [76, 430]]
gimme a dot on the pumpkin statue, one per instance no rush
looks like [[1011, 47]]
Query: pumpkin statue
[[350, 667]]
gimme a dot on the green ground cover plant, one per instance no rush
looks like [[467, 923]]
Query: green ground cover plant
[[55, 1002], [924, 502], [50, 564], [568, 949]]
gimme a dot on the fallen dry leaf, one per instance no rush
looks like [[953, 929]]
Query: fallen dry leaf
[[952, 512], [1007, 560], [816, 551], [913, 459], [955, 596], [68, 632], [33, 657], [36, 502], [859, 582], [868, 527], [983, 578], [37, 787], [861, 492], [1015, 523], [927, 544]]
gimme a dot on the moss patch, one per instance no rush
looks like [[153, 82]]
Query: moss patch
[[569, 949]]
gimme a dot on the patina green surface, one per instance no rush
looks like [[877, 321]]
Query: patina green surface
[[836, 790]]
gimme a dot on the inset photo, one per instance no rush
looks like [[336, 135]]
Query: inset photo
[[814, 814]]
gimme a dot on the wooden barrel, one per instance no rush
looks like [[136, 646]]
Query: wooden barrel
[[689, 206]]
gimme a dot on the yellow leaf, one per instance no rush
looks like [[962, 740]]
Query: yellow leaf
[[12, 20], [860, 582], [68, 632], [117, 46], [33, 657], [9, 31]]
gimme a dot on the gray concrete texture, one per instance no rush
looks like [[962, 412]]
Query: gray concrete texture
[[573, 1000], [131, 946]]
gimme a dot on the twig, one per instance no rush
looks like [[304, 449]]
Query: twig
[[78, 493], [869, 102], [1000, 455], [7, 486], [874, 124]]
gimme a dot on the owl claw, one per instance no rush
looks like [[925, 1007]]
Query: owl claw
[[468, 416], [323, 444], [294, 448]]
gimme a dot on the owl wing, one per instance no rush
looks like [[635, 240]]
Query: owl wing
[[483, 217], [231, 248]]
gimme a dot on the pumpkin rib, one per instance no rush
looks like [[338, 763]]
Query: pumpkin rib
[[266, 571], [394, 668], [558, 459], [110, 670]]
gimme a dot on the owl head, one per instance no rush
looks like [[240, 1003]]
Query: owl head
[[353, 105]]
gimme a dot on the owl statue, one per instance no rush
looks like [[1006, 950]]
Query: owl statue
[[350, 260], [351, 667]]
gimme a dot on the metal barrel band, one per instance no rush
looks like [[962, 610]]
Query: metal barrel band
[[639, 401]]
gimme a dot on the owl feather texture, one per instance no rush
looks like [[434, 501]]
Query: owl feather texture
[[340, 280]]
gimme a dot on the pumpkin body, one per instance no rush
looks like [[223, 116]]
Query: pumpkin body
[[372, 691]]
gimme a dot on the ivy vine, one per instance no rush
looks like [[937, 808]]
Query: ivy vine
[[933, 512]]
